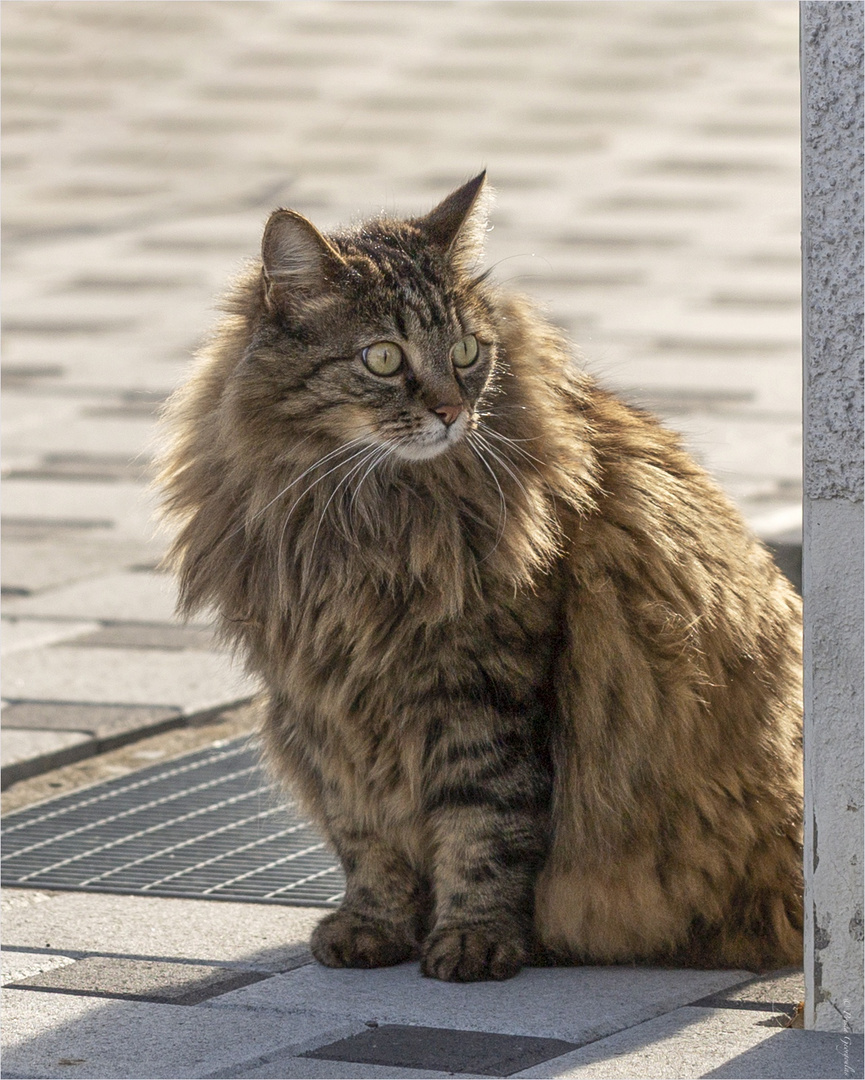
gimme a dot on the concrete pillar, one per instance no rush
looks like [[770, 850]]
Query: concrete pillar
[[832, 250]]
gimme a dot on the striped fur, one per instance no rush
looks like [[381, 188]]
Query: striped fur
[[538, 685]]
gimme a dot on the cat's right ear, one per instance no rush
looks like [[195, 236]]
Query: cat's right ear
[[296, 259]]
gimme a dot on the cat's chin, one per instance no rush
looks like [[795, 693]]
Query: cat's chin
[[424, 450]]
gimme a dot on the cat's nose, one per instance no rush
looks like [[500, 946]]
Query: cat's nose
[[448, 413]]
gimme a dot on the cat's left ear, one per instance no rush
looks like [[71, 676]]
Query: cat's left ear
[[458, 224]]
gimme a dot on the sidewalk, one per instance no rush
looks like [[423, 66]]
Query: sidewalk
[[198, 989], [647, 171]]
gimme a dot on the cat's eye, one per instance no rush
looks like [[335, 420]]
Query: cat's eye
[[383, 358], [465, 352]]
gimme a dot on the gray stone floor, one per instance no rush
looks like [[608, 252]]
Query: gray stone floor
[[646, 160]]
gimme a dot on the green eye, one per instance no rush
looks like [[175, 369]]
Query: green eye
[[465, 352], [383, 358]]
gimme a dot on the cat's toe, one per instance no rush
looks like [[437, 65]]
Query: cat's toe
[[473, 954], [347, 939]]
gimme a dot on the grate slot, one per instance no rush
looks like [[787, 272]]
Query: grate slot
[[204, 826]]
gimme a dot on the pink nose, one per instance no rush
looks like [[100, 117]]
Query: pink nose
[[448, 413]]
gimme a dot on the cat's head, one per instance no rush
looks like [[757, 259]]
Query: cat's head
[[382, 334]]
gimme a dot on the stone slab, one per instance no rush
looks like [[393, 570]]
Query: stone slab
[[725, 445], [148, 636], [23, 413], [191, 681], [574, 1004], [131, 435], [416, 1047], [263, 937], [20, 634], [27, 753], [680, 1045], [44, 558], [99, 721], [290, 1067], [791, 1055], [39, 736], [775, 993], [652, 380], [127, 506], [60, 1035], [105, 468], [138, 980], [23, 964], [120, 596]]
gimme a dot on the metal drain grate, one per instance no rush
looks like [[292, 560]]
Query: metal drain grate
[[206, 826]]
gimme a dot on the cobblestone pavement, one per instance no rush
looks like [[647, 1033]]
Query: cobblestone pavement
[[646, 159]]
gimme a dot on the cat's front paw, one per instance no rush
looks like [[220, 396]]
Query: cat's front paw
[[473, 954], [347, 939]]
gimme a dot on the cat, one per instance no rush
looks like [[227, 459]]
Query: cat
[[523, 664]]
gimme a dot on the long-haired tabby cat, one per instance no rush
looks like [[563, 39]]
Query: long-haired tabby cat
[[522, 662]]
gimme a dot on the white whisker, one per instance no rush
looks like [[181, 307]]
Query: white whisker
[[504, 464], [386, 451], [364, 458], [358, 453], [320, 461], [511, 443], [470, 439]]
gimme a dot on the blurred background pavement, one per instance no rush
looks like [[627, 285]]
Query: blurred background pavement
[[646, 158]]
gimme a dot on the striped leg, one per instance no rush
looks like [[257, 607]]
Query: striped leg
[[384, 914], [489, 803]]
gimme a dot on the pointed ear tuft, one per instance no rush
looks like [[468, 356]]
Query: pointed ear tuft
[[294, 254], [458, 224]]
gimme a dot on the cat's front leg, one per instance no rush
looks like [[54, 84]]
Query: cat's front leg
[[490, 813], [383, 916]]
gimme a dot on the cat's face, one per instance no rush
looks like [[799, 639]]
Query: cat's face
[[379, 337]]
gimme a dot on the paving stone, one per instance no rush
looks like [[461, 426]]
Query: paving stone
[[26, 753], [777, 992], [573, 1004], [114, 597], [189, 681], [99, 721], [725, 446], [33, 523], [682, 1044], [263, 937], [129, 435], [123, 506], [138, 980], [418, 1047], [23, 413], [787, 1055], [24, 376], [60, 1035], [101, 467], [21, 964], [44, 558], [20, 634], [287, 1066], [147, 636]]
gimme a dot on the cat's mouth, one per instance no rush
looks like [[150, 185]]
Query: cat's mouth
[[433, 439]]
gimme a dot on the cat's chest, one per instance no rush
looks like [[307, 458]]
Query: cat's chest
[[368, 646]]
